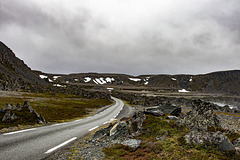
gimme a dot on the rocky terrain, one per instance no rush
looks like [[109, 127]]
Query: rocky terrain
[[14, 73], [200, 130], [20, 114], [224, 82]]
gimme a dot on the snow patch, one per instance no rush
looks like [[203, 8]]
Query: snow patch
[[183, 91], [190, 80], [59, 85], [87, 79], [109, 80], [55, 77], [100, 80], [67, 81], [43, 76], [50, 80], [95, 81], [110, 89], [76, 79], [174, 79], [135, 79], [223, 104]]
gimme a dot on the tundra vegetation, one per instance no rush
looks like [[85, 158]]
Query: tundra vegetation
[[163, 139], [54, 107]]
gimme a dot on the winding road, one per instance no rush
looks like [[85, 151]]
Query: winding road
[[38, 143]]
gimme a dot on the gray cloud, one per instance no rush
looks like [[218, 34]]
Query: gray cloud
[[123, 36]]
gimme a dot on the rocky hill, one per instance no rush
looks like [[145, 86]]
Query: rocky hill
[[226, 82], [14, 73]]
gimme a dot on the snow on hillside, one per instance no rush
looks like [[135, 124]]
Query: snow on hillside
[[56, 77], [135, 79], [43, 76], [87, 79], [183, 91]]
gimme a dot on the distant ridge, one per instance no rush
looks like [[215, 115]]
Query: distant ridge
[[15, 74]]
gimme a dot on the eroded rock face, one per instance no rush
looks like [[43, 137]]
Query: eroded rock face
[[213, 138], [200, 117]]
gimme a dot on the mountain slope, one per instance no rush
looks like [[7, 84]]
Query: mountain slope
[[14, 73], [226, 82]]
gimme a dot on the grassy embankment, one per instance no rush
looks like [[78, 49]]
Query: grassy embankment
[[171, 146], [53, 107]]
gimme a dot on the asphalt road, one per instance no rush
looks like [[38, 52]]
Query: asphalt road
[[37, 143]]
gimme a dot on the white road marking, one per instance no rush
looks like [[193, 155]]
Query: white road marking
[[19, 131], [106, 122], [93, 128], [58, 124], [78, 120], [60, 145]]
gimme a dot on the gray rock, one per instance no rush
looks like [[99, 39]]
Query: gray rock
[[7, 116], [7, 107], [13, 116], [40, 118], [164, 109], [200, 117], [18, 107], [27, 105], [154, 113], [133, 143], [214, 138]]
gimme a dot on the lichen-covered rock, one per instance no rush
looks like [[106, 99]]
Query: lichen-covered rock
[[214, 138], [27, 105], [200, 117], [133, 143], [7, 116]]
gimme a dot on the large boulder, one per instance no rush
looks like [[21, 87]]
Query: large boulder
[[164, 109], [133, 143], [123, 128], [213, 138], [200, 117]]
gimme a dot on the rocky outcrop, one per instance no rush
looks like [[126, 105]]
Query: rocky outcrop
[[199, 120], [14, 73], [200, 117], [217, 139], [132, 143], [163, 109], [12, 113], [126, 127]]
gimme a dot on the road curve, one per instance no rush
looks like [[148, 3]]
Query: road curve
[[37, 143]]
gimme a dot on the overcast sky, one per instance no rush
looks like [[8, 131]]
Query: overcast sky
[[123, 36]]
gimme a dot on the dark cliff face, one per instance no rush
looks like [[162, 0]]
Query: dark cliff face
[[14, 73]]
